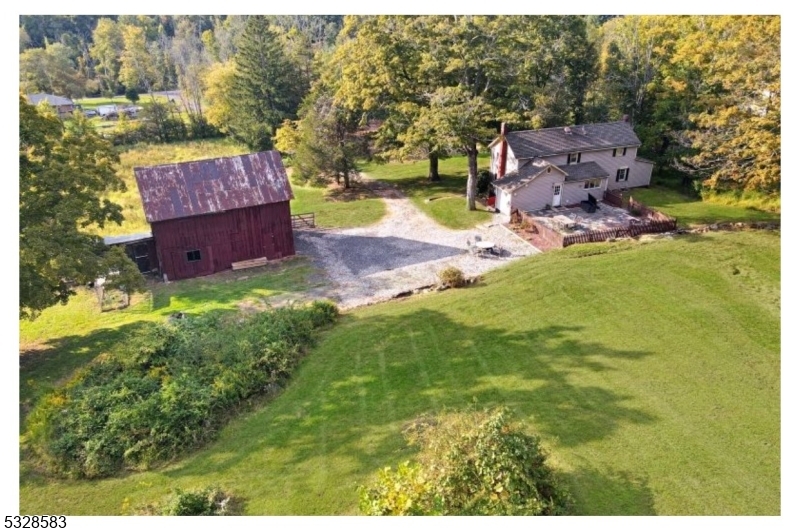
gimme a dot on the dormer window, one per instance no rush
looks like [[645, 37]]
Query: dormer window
[[573, 158]]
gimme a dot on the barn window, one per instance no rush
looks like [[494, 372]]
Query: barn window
[[193, 255]]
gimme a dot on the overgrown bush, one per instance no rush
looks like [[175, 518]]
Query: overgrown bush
[[451, 277], [476, 463], [168, 389], [206, 501]]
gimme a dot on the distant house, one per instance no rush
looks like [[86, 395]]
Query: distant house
[[63, 106], [561, 166], [207, 215]]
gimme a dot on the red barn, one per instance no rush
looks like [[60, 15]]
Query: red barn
[[206, 215]]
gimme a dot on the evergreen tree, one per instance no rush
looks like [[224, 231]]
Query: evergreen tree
[[264, 86]]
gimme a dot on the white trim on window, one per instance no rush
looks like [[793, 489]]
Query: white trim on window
[[622, 173], [592, 183]]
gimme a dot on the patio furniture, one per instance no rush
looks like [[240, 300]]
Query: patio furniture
[[589, 205], [485, 247]]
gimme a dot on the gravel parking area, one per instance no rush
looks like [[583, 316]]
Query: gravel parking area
[[402, 252]]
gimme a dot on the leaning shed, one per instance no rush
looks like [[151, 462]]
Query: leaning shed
[[206, 215]]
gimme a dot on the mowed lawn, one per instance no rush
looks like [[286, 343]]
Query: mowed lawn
[[695, 211], [445, 200], [651, 370], [333, 207]]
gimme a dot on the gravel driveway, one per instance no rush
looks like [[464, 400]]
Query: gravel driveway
[[402, 252]]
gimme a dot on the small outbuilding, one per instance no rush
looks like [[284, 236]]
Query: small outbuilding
[[207, 215], [63, 106]]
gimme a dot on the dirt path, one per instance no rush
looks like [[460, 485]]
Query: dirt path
[[403, 251]]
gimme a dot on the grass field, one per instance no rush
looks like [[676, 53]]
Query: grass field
[[444, 201], [694, 211], [333, 208], [651, 370], [65, 337]]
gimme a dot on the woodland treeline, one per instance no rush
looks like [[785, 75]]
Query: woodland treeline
[[703, 92]]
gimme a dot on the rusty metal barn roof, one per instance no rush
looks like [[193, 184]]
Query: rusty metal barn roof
[[192, 188]]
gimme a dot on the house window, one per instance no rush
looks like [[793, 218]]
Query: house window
[[193, 255], [592, 183], [622, 174], [617, 152], [573, 158]]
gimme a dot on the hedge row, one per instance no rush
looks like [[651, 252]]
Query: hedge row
[[168, 389]]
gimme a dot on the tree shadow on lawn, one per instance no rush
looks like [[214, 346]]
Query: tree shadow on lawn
[[610, 492], [228, 287], [43, 370], [349, 401]]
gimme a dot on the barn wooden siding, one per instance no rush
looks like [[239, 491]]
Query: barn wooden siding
[[223, 238]]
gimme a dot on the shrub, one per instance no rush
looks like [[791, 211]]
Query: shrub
[[168, 389], [484, 181], [451, 277], [474, 463], [206, 501]]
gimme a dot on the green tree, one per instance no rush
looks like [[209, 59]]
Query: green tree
[[736, 116], [106, 50], [137, 66], [65, 170], [376, 70], [220, 104], [263, 86], [132, 95], [474, 463], [323, 142], [50, 70], [24, 40], [120, 273]]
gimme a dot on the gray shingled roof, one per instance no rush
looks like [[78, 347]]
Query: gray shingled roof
[[49, 98], [554, 140], [581, 171], [512, 180]]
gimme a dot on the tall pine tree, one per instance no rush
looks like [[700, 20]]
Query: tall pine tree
[[264, 86]]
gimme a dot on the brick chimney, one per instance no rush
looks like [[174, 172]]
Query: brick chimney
[[501, 167]]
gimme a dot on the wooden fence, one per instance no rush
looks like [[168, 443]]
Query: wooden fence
[[650, 221], [303, 221]]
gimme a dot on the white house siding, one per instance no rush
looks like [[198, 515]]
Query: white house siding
[[503, 202], [638, 175], [574, 192], [537, 193], [511, 161]]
